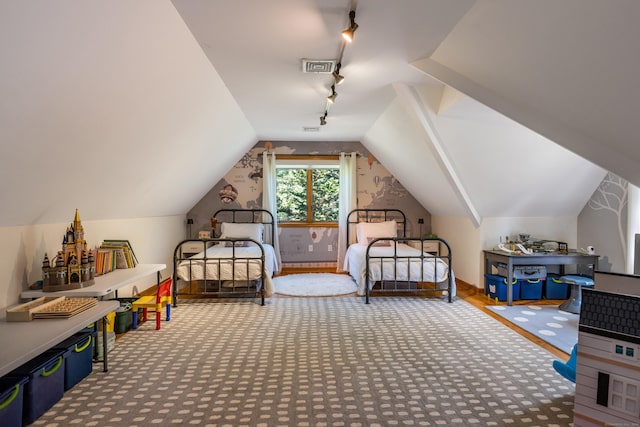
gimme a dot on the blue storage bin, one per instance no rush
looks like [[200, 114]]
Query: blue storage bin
[[531, 289], [554, 288], [12, 400], [78, 354], [496, 287], [45, 386]]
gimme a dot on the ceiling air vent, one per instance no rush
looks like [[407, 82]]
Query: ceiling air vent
[[322, 66], [311, 128]]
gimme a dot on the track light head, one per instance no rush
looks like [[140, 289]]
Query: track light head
[[347, 34], [337, 77], [332, 98], [323, 119]]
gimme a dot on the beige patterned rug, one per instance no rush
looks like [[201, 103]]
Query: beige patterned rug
[[401, 361]]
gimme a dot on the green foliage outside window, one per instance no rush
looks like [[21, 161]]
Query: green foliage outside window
[[294, 198]]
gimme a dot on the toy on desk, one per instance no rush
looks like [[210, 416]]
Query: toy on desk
[[515, 248]]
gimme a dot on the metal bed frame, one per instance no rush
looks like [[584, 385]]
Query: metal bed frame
[[396, 284], [225, 287]]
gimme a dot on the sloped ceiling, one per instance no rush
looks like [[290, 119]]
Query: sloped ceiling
[[136, 109], [111, 108]]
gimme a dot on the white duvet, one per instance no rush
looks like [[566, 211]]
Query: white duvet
[[220, 266], [434, 269]]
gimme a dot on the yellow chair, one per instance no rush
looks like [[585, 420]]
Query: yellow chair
[[161, 299]]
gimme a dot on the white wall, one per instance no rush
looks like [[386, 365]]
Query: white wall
[[22, 248], [467, 242], [464, 239]]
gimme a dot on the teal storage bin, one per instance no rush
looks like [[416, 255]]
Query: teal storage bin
[[78, 354], [45, 386], [554, 288], [496, 287], [531, 289], [12, 400]]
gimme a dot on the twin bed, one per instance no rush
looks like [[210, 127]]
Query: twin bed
[[239, 263], [380, 258]]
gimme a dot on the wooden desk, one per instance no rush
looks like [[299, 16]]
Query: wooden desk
[[22, 341], [511, 260], [104, 284]]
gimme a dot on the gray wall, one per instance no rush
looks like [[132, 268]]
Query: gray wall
[[603, 223], [377, 188]]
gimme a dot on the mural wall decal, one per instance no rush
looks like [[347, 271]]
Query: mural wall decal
[[228, 194], [611, 195], [241, 187]]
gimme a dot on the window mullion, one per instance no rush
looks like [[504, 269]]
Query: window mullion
[[309, 195]]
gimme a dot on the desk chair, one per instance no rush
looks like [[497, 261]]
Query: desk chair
[[573, 304], [161, 299], [568, 369]]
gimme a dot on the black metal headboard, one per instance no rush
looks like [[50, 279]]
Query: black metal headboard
[[375, 215], [253, 216]]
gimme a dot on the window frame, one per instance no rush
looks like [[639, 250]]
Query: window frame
[[308, 162]]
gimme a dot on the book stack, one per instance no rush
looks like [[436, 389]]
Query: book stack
[[114, 254]]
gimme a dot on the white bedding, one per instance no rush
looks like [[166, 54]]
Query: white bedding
[[355, 264], [194, 268]]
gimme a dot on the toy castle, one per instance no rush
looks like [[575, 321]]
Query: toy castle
[[74, 265]]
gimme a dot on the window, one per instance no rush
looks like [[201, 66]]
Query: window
[[307, 194]]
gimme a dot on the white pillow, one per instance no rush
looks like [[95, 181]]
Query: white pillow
[[239, 230], [364, 230]]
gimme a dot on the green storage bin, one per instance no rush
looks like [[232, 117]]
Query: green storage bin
[[124, 317]]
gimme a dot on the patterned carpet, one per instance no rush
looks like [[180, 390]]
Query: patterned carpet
[[400, 361]]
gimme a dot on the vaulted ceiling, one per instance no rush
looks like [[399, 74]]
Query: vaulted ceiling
[[480, 108]]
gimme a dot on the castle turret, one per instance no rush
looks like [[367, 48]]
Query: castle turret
[[46, 267]]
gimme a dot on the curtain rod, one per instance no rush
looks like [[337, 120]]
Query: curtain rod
[[305, 155]]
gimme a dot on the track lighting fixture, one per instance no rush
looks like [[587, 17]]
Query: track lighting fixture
[[337, 77], [336, 74], [348, 33], [332, 98]]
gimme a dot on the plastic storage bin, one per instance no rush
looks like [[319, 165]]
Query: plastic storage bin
[[111, 321], [78, 353], [531, 289], [496, 287], [523, 272], [124, 318], [45, 386], [111, 344], [12, 400], [554, 288]]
